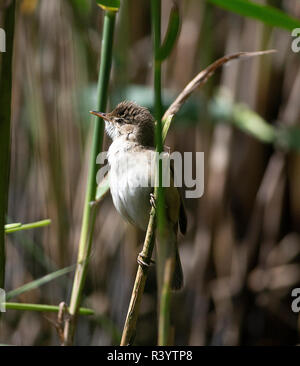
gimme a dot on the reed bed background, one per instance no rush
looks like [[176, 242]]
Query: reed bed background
[[241, 253]]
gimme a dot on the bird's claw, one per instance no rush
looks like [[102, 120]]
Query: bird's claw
[[152, 200], [144, 261]]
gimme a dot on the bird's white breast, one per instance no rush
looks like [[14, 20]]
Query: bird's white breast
[[130, 181]]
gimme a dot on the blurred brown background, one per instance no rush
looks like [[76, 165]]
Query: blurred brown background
[[242, 250]]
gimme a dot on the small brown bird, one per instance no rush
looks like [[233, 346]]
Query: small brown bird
[[132, 174]]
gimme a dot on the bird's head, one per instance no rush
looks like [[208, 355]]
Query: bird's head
[[129, 119]]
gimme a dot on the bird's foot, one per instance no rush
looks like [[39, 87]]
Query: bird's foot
[[144, 261], [152, 200]]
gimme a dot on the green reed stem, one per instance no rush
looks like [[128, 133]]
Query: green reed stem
[[158, 108], [11, 228], [163, 281], [89, 212], [42, 307]]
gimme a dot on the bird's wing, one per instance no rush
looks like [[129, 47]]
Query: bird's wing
[[173, 199], [181, 218]]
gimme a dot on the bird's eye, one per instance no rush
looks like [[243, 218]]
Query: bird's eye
[[119, 120]]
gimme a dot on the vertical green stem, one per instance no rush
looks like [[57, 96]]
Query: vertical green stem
[[158, 109], [5, 117], [89, 213], [163, 280]]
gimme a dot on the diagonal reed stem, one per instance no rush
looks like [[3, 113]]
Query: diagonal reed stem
[[139, 285]]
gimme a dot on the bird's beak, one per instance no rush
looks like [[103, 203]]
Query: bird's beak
[[101, 115]]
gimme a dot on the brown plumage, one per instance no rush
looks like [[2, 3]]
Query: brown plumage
[[133, 114]]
